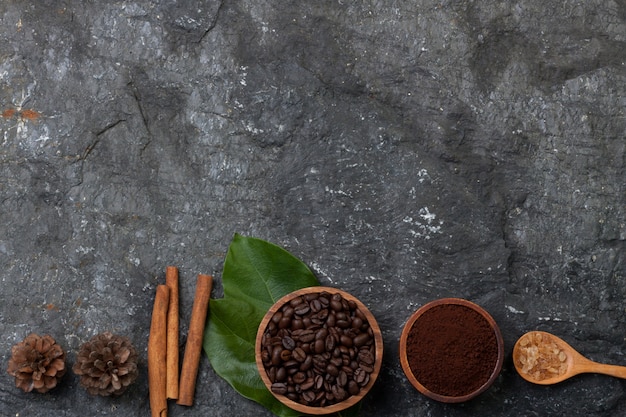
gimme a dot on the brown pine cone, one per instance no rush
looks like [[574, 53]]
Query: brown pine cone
[[37, 363], [107, 364]]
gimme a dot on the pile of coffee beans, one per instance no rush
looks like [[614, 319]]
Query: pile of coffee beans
[[318, 349]]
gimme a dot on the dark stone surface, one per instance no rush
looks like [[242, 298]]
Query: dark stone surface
[[406, 151]]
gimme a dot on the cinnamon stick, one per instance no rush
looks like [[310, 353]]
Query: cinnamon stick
[[157, 351], [193, 348], [171, 280]]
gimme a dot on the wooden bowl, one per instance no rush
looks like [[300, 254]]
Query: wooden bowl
[[450, 319], [351, 399]]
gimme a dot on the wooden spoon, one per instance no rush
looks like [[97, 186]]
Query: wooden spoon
[[543, 358]]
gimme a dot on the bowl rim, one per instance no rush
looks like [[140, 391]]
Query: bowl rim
[[351, 400], [404, 359]]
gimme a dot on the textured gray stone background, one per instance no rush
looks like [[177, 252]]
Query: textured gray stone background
[[406, 151]]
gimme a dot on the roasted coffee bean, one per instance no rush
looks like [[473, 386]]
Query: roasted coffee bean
[[319, 362], [319, 382], [366, 380], [296, 301], [350, 332], [271, 374], [317, 321], [338, 392], [323, 299], [291, 364], [276, 355], [299, 377], [361, 339], [302, 309], [321, 334], [342, 378], [297, 324], [361, 377], [284, 323], [345, 340], [336, 305], [303, 335], [277, 317], [322, 314], [337, 361], [320, 398], [315, 327], [307, 364], [281, 374], [299, 354], [366, 367], [320, 346], [353, 387], [271, 327], [332, 369], [285, 355], [308, 396], [357, 323], [342, 324], [279, 388], [307, 385], [288, 311], [366, 356], [329, 343], [315, 305], [288, 343], [358, 375]]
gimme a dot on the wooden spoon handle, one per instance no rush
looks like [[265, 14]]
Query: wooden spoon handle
[[600, 368]]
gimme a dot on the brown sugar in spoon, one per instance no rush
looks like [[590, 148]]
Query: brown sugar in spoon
[[543, 358]]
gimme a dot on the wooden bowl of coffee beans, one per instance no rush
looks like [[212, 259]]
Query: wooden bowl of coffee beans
[[451, 350], [319, 350]]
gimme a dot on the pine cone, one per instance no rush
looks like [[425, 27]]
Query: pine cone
[[107, 364], [37, 363]]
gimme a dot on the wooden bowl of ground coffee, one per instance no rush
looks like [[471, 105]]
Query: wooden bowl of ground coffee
[[319, 350], [451, 350]]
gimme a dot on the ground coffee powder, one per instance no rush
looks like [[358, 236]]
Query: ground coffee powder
[[452, 350]]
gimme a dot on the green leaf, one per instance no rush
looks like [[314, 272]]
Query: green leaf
[[256, 274]]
